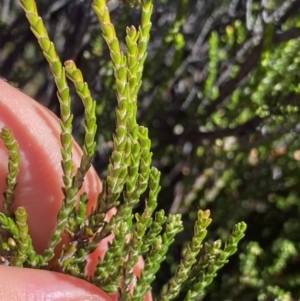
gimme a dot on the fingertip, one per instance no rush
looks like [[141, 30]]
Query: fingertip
[[39, 183], [24, 284]]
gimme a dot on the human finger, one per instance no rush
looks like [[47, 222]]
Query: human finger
[[39, 182], [37, 285]]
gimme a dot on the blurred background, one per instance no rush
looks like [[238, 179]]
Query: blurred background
[[220, 96]]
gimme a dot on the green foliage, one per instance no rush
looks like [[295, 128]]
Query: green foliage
[[219, 96], [58, 72], [130, 175], [260, 278], [13, 168]]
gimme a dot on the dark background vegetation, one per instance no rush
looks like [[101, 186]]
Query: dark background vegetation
[[220, 97]]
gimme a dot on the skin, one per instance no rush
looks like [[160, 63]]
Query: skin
[[37, 132]]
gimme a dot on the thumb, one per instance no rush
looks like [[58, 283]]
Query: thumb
[[37, 132], [36, 285], [39, 183]]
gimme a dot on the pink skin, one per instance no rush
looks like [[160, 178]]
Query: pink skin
[[37, 285], [37, 132]]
